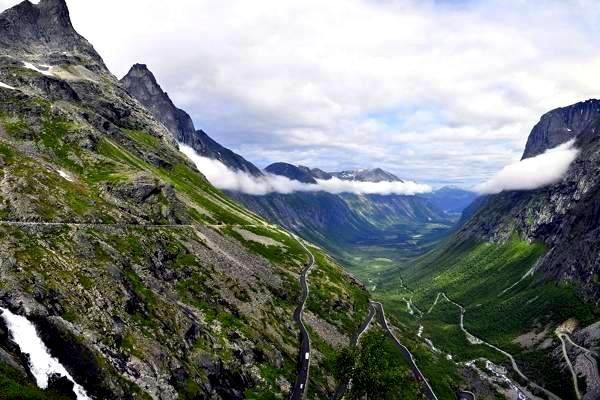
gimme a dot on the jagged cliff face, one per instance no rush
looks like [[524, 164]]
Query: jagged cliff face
[[564, 216], [142, 85], [561, 125], [43, 33], [142, 278]]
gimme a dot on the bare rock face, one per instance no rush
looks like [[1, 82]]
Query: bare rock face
[[61, 385], [44, 31], [141, 83], [561, 125], [297, 173]]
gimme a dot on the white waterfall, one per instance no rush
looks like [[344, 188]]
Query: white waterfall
[[42, 364]]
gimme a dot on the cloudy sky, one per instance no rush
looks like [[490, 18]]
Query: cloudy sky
[[440, 92]]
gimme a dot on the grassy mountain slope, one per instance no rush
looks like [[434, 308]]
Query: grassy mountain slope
[[197, 303], [503, 306]]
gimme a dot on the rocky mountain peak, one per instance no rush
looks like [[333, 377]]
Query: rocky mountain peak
[[318, 173], [297, 173], [57, 9], [44, 32], [141, 83], [367, 175], [561, 125]]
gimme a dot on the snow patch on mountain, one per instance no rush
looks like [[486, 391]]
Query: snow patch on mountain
[[5, 86], [42, 69]]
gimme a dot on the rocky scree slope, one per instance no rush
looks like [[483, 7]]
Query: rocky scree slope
[[198, 303]]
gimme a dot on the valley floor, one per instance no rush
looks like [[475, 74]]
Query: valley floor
[[477, 317]]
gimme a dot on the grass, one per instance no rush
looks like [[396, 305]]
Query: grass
[[377, 369], [327, 287], [478, 276], [15, 385]]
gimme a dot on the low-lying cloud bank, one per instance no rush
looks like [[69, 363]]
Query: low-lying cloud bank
[[532, 173], [227, 179]]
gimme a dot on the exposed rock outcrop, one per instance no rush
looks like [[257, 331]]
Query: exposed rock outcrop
[[561, 125], [142, 84], [43, 32]]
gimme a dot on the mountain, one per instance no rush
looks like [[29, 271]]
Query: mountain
[[345, 224], [43, 32], [524, 268], [561, 216], [560, 125], [358, 229], [295, 173], [367, 175], [451, 200], [307, 175], [143, 86], [141, 278], [320, 174]]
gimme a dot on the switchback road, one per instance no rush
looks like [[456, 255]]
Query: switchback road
[[300, 388], [476, 340]]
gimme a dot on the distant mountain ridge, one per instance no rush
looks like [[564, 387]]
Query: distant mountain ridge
[[293, 172], [367, 175], [451, 200], [310, 175]]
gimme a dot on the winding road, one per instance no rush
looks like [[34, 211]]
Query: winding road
[[300, 387], [563, 344], [426, 387], [94, 225], [474, 339], [364, 327], [465, 395], [588, 351]]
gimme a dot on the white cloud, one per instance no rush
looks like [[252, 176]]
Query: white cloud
[[407, 85], [227, 179], [533, 173], [408, 188]]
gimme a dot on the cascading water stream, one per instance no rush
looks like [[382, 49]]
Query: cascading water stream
[[42, 364]]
